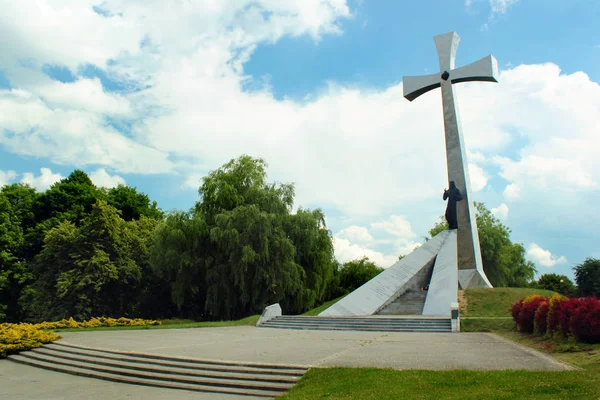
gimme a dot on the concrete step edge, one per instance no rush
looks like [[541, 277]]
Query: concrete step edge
[[334, 328], [367, 320], [173, 364], [139, 366], [361, 327], [142, 382], [185, 359], [365, 323], [224, 383]]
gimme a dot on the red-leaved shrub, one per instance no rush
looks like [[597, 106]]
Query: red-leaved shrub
[[559, 317], [584, 321], [565, 310], [552, 319], [525, 320], [539, 320], [515, 309]]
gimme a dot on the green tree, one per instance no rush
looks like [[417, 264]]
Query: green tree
[[70, 199], [314, 253], [354, 274], [180, 252], [558, 283], [440, 225], [504, 262], [89, 270], [240, 248], [253, 262], [16, 218], [587, 276], [11, 270], [133, 204]]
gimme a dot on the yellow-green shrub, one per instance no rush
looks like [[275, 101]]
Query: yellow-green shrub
[[23, 336], [96, 322]]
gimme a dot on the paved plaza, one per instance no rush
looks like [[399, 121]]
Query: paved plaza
[[476, 351]]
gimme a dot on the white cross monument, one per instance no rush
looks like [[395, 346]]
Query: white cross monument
[[470, 267]]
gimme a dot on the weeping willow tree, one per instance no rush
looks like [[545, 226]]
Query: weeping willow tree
[[241, 248]]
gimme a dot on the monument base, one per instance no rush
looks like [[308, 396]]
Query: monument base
[[425, 282], [472, 279]]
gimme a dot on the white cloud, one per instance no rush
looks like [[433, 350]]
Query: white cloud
[[355, 233], [476, 157], [394, 234], [347, 251], [84, 94], [512, 192], [43, 181], [501, 6], [397, 226], [6, 177], [501, 212], [478, 178], [543, 257], [29, 126], [101, 178], [140, 43]]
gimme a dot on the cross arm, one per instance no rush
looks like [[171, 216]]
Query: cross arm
[[414, 86], [484, 70]]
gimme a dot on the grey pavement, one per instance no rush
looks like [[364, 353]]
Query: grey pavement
[[399, 350], [434, 351]]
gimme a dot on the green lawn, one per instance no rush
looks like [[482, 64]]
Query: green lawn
[[317, 310], [496, 302], [487, 310], [371, 383]]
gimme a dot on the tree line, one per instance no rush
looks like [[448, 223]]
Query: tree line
[[79, 251]]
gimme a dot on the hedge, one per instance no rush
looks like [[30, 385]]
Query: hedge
[[577, 318], [25, 336]]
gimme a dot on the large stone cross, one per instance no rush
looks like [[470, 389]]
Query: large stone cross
[[470, 267]]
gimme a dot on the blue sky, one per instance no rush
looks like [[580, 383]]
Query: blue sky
[[158, 97]]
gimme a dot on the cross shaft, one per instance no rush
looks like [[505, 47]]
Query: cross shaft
[[469, 261]]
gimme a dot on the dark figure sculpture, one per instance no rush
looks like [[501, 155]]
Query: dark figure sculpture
[[453, 195]]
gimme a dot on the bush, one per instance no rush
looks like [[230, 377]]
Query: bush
[[525, 318], [20, 337], [540, 319], [584, 321], [559, 317], [96, 322], [516, 309], [552, 319], [564, 311]]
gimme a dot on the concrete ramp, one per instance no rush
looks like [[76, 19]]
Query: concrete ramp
[[443, 287], [392, 282]]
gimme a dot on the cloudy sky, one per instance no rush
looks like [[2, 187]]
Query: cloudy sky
[[155, 94]]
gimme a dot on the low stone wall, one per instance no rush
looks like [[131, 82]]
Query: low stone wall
[[270, 312]]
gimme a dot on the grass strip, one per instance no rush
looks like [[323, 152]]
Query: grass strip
[[496, 302], [372, 383], [317, 310]]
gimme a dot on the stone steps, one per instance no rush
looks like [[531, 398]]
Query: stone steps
[[371, 324], [410, 303], [259, 380]]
